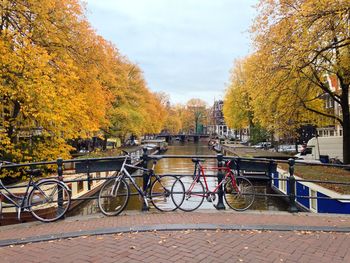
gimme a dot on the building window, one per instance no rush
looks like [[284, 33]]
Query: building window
[[329, 102]]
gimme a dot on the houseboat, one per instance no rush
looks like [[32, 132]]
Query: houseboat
[[159, 145]]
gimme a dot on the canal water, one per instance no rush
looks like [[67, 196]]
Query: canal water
[[185, 166]]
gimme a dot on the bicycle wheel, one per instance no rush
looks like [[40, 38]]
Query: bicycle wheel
[[161, 191], [193, 195], [239, 195], [113, 196], [49, 200]]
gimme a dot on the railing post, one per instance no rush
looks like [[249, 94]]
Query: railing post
[[238, 161], [271, 169], [60, 169], [220, 205], [60, 178], [88, 175], [145, 176], [291, 183]]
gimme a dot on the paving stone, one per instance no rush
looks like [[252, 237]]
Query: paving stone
[[184, 245]]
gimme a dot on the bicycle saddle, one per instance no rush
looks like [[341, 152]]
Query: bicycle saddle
[[197, 160]]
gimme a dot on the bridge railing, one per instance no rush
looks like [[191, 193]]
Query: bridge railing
[[250, 167]]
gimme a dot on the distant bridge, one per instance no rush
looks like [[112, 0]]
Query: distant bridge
[[182, 137]]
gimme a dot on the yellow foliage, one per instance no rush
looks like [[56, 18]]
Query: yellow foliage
[[61, 81], [282, 84]]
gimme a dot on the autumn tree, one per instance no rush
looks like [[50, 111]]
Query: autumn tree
[[61, 81], [197, 110], [300, 43], [135, 110], [44, 85], [237, 109], [172, 121]]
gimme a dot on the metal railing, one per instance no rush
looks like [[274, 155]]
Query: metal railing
[[265, 166]]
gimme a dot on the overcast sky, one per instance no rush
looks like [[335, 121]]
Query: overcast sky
[[185, 48]]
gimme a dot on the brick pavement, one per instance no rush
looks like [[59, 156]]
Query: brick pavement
[[185, 245]]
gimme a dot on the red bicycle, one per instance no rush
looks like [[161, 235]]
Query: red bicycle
[[238, 191]]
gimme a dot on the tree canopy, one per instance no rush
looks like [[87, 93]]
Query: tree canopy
[[60, 81], [298, 45]]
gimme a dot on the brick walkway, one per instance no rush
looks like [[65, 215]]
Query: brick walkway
[[214, 237]]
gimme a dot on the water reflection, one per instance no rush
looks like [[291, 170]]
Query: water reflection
[[180, 166]]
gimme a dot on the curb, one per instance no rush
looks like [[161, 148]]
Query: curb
[[171, 227]]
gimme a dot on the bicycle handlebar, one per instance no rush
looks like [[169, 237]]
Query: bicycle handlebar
[[125, 152]]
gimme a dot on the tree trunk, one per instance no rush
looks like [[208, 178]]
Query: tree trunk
[[346, 141], [346, 124]]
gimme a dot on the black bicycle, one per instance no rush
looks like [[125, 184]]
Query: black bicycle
[[115, 192], [47, 199]]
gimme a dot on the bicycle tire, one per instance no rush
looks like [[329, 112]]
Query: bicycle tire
[[192, 198], [242, 199], [113, 196], [49, 200], [161, 193]]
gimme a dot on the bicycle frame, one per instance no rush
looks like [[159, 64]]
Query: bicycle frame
[[22, 206], [201, 173], [12, 197], [124, 173]]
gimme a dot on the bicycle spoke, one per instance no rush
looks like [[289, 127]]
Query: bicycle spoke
[[161, 193], [194, 194], [113, 196], [239, 193], [49, 200]]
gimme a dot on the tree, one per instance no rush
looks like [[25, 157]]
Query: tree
[[198, 110], [44, 83], [61, 81], [135, 110], [303, 42], [237, 109]]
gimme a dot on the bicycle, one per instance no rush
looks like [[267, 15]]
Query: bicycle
[[115, 192], [48, 200], [238, 191]]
